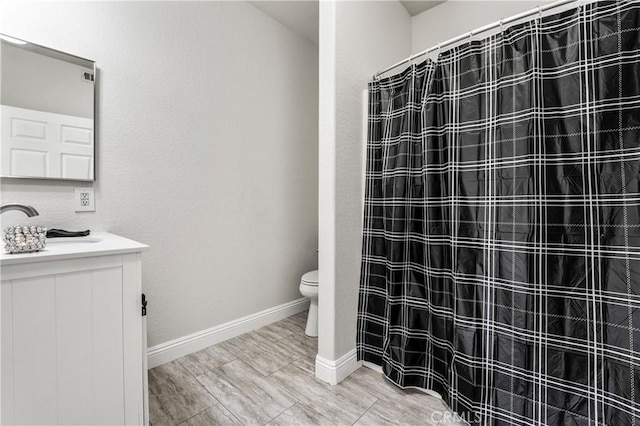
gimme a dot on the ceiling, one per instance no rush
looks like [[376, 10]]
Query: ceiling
[[299, 16], [416, 7], [302, 16]]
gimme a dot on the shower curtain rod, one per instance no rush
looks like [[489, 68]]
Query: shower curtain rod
[[500, 23]]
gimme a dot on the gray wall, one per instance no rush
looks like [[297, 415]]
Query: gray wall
[[34, 81], [452, 18], [207, 150], [359, 39]]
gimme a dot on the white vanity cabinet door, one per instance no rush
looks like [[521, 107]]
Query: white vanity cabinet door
[[72, 348]]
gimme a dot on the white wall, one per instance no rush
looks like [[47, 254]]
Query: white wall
[[452, 18], [356, 40], [207, 150]]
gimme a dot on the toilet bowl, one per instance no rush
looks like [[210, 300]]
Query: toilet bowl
[[309, 288]]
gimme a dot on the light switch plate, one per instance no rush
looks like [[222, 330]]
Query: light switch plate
[[84, 200]]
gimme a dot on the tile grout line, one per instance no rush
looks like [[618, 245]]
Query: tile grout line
[[310, 408], [168, 411], [367, 410], [283, 337], [208, 408], [203, 388], [299, 357], [186, 420], [280, 387], [284, 411], [208, 371], [197, 414], [274, 372], [159, 402], [295, 398], [286, 391]]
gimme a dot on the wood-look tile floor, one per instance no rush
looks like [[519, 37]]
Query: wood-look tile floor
[[266, 377]]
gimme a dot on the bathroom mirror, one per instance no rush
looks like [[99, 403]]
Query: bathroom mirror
[[47, 101]]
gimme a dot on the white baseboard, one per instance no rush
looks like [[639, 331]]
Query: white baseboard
[[333, 372], [174, 349]]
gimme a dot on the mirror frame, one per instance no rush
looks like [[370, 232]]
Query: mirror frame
[[59, 54]]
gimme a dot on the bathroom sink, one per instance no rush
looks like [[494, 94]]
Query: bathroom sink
[[73, 240]]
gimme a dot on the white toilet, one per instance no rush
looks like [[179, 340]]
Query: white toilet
[[309, 288]]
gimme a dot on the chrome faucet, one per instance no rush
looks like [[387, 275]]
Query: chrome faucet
[[28, 210]]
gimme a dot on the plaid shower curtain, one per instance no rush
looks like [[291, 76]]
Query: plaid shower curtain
[[501, 256]]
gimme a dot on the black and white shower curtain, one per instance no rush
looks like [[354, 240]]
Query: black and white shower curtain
[[501, 257]]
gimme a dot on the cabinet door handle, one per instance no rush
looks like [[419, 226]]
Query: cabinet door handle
[[144, 305]]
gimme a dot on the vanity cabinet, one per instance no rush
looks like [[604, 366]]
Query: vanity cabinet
[[73, 336]]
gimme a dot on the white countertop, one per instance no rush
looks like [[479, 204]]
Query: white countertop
[[96, 244]]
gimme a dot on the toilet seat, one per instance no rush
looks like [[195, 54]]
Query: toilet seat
[[310, 278], [309, 288]]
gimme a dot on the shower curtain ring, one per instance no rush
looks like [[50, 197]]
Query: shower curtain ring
[[470, 36], [439, 46], [501, 28], [540, 13]]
